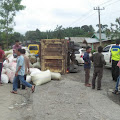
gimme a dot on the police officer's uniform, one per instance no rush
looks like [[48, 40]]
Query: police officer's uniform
[[115, 52]]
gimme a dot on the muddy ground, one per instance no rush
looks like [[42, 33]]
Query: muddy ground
[[67, 99]]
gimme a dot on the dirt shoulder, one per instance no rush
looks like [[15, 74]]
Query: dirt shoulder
[[67, 99]]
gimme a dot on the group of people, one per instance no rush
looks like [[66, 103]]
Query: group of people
[[98, 63], [22, 67]]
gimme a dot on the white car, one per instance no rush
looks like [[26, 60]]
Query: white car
[[107, 53], [79, 56]]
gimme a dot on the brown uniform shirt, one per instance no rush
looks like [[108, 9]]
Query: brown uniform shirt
[[98, 60]]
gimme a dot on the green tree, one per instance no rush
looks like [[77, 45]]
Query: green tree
[[103, 28], [115, 29], [7, 13]]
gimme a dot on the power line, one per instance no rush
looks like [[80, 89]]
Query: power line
[[112, 3], [87, 17], [93, 13], [81, 17], [105, 2]]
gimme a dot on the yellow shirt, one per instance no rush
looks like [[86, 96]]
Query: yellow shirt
[[115, 52]]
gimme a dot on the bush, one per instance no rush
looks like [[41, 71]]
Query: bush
[[93, 51]]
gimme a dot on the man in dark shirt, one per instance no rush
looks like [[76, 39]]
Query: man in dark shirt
[[87, 66], [99, 62]]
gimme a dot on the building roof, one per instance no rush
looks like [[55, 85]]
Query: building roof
[[91, 40], [76, 39], [103, 36], [83, 39]]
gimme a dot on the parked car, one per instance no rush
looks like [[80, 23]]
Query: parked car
[[107, 53], [79, 56], [34, 48]]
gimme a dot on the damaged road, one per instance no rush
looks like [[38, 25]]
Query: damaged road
[[67, 99]]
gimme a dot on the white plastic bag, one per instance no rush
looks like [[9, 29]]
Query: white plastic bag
[[28, 78], [4, 78], [41, 78], [55, 76]]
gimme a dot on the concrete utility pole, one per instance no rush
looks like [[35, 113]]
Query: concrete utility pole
[[99, 9]]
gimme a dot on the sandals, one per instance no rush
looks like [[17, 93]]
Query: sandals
[[88, 85], [33, 89], [13, 92]]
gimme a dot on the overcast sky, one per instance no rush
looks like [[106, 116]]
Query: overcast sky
[[47, 14]]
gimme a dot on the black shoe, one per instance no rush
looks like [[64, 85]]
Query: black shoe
[[115, 92], [93, 88], [99, 89]]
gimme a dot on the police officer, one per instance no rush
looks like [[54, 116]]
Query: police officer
[[115, 54]]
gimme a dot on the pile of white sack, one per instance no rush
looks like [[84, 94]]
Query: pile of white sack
[[36, 76]]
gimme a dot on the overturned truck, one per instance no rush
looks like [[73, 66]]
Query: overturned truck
[[58, 55]]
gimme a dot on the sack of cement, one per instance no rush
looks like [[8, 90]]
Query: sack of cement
[[55, 76], [4, 78], [41, 78], [10, 74], [33, 59], [8, 52], [37, 65], [3, 71], [38, 59], [31, 66], [34, 71], [28, 78]]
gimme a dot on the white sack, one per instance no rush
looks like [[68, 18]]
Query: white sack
[[4, 78], [38, 59], [55, 76], [34, 70], [36, 65], [3, 71], [41, 78], [28, 79], [10, 74], [33, 59], [31, 66], [8, 52]]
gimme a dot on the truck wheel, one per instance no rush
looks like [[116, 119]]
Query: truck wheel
[[76, 62]]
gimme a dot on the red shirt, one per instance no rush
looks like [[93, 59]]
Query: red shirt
[[1, 53]]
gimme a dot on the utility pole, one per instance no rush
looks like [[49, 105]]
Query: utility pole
[[99, 9]]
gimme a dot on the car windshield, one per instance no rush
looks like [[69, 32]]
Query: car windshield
[[33, 48]]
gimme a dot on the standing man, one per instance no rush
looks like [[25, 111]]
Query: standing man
[[99, 62], [20, 72], [115, 54], [87, 66], [27, 67], [16, 47]]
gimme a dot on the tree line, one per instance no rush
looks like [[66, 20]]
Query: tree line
[[8, 10]]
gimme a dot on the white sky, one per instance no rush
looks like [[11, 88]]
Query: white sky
[[47, 14]]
